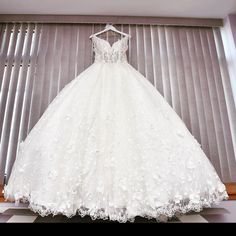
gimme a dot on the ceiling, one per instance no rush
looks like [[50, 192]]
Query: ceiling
[[164, 8]]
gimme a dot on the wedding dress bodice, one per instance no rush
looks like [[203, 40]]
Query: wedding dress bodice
[[105, 52]]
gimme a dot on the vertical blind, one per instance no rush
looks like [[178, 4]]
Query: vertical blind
[[187, 66]]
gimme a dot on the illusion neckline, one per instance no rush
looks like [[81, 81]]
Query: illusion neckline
[[106, 41]]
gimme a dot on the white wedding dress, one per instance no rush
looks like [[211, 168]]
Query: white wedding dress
[[111, 147]]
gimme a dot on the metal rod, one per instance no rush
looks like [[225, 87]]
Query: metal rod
[[88, 19]]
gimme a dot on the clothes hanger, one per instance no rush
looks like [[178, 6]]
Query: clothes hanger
[[112, 28]]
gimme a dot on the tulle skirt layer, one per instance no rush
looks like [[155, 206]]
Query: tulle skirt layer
[[111, 147]]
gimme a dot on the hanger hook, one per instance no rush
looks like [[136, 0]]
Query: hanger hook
[[109, 26]]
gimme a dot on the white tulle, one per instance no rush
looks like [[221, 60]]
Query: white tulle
[[111, 147]]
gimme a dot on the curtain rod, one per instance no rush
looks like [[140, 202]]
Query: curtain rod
[[97, 19]]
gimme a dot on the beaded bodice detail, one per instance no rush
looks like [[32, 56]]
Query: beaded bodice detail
[[105, 52]]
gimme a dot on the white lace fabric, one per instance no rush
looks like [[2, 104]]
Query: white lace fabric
[[111, 147], [104, 52]]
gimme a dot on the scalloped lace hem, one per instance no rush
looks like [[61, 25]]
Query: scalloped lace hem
[[161, 213]]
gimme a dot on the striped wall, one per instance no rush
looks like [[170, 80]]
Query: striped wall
[[187, 66]]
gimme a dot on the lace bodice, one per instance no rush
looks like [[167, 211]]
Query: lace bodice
[[104, 52]]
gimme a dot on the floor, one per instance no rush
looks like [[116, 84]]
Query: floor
[[10, 213]]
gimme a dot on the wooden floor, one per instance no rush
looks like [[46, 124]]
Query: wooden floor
[[231, 190], [1, 194]]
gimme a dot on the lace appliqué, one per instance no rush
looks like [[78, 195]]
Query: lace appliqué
[[104, 52], [174, 208]]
